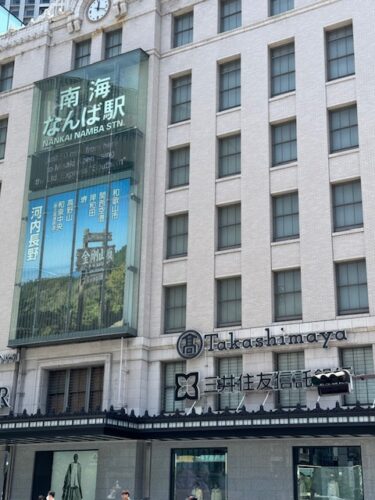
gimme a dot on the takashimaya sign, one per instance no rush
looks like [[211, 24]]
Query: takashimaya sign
[[191, 343]]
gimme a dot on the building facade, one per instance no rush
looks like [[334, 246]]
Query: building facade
[[188, 245]]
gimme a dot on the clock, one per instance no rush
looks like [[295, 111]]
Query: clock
[[97, 9]]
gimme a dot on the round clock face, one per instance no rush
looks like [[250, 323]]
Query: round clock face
[[97, 9]]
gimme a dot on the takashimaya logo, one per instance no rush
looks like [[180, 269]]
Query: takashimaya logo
[[190, 344]]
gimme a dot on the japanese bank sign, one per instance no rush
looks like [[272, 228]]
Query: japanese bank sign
[[78, 273]]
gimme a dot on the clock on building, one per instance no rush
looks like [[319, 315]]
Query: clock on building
[[97, 9]]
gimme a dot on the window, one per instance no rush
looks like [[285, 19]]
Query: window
[[282, 69], [229, 226], [230, 155], [286, 362], [230, 85], [284, 143], [181, 98], [113, 43], [183, 29], [179, 162], [347, 205], [3, 136], [226, 368], [285, 217], [75, 389], [288, 303], [229, 302], [351, 280], [343, 128], [82, 54], [279, 6], [230, 14], [6, 76], [332, 472], [198, 470], [170, 370], [175, 309], [177, 236], [360, 360], [340, 52]]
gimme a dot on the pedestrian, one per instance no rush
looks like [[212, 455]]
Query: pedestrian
[[125, 495], [40, 497], [51, 495]]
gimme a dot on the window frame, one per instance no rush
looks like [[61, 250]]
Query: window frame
[[353, 128], [85, 57], [116, 47], [349, 311], [3, 126], [354, 204], [289, 56], [328, 33], [293, 215], [225, 160], [226, 91], [176, 106], [223, 18], [172, 236], [359, 385], [167, 388], [220, 302], [189, 31], [273, 8], [229, 397], [300, 394], [168, 308], [287, 317], [179, 164], [222, 227], [6, 83], [280, 126]]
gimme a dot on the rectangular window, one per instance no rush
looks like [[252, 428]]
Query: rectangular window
[[287, 362], [181, 98], [3, 136], [230, 15], [288, 301], [340, 52], [170, 370], [285, 217], [282, 69], [229, 302], [175, 309], [179, 163], [177, 236], [361, 361], [82, 54], [279, 6], [351, 282], [230, 155], [6, 76], [201, 472], [230, 85], [183, 29], [328, 472], [228, 367], [113, 43], [75, 390], [229, 226], [284, 143], [347, 205], [343, 128]]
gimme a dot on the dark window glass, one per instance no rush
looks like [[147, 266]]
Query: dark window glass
[[82, 54], [230, 14], [6, 76], [183, 29], [351, 280], [113, 42], [340, 52], [175, 309], [279, 6], [282, 69], [3, 136], [177, 235], [230, 155], [343, 128], [229, 302], [347, 206], [288, 301], [360, 360], [285, 217], [287, 362], [229, 226], [179, 161], [230, 85], [284, 143], [228, 367], [170, 370], [181, 98]]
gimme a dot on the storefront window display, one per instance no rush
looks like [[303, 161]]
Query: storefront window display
[[201, 472], [330, 473]]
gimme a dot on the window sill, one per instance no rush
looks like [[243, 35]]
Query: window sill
[[343, 152], [185, 187], [290, 164], [228, 111], [280, 97], [174, 332], [225, 328], [224, 251], [352, 230], [348, 315], [340, 79], [228, 178], [286, 320], [177, 124], [286, 241], [175, 259]]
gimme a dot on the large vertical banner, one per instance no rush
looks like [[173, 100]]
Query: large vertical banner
[[86, 162]]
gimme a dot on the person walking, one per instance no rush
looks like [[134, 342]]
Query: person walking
[[125, 495]]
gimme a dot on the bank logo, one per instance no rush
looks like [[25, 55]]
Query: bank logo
[[186, 386], [189, 344]]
